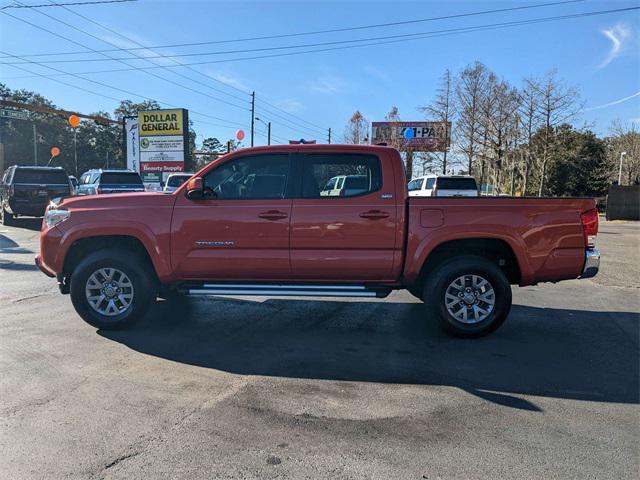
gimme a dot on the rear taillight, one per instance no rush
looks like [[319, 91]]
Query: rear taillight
[[12, 190], [589, 220]]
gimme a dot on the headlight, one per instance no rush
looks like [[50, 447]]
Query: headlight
[[54, 216]]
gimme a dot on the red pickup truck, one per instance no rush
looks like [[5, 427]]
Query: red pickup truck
[[314, 220]]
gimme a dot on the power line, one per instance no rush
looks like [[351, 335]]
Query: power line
[[109, 57], [185, 66], [122, 60], [338, 42], [335, 30], [144, 58], [208, 77], [416, 36], [300, 127], [96, 2], [117, 89]]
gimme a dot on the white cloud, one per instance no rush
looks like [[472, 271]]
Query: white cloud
[[619, 35], [290, 105], [229, 80], [377, 73], [327, 85], [135, 41], [614, 102]]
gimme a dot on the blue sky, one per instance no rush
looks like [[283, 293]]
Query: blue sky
[[600, 55]]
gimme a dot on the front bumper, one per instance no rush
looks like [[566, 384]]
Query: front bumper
[[43, 268], [591, 263]]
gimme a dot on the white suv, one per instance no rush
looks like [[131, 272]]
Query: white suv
[[443, 186]]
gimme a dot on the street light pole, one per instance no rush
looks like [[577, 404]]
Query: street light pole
[[622, 154], [253, 114], [35, 145], [268, 129]]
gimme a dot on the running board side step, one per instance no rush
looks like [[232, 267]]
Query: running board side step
[[285, 290]]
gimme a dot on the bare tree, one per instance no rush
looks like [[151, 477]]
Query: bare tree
[[469, 93], [625, 137], [442, 109], [530, 121], [558, 103], [357, 130], [498, 127]]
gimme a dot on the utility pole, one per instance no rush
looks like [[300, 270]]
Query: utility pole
[[35, 145], [269, 133], [253, 114], [622, 154], [329, 137]]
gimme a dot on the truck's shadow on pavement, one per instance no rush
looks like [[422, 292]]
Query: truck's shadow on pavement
[[570, 354]]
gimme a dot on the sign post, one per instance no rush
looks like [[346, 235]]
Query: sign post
[[74, 121]]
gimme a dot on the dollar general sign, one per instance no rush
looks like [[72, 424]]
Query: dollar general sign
[[161, 122]]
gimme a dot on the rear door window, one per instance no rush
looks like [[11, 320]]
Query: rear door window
[[448, 183], [361, 175], [430, 182], [33, 175], [120, 178]]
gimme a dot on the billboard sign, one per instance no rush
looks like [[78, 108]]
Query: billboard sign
[[131, 143], [163, 143], [423, 137]]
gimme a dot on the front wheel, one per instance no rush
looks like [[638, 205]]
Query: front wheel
[[112, 288], [469, 295]]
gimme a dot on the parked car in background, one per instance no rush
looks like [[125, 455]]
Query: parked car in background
[[101, 181], [175, 180], [74, 183], [345, 186], [443, 186], [26, 191]]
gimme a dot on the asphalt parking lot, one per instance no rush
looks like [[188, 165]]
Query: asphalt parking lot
[[333, 388]]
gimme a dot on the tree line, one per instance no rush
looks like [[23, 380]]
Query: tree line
[[98, 145], [518, 139]]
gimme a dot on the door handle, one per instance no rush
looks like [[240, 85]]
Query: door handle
[[273, 215], [374, 214]]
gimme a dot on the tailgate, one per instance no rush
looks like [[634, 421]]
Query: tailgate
[[39, 193]]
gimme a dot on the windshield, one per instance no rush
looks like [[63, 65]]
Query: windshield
[[415, 184], [177, 180], [120, 178], [33, 175]]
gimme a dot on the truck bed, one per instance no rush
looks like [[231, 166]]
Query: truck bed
[[545, 234]]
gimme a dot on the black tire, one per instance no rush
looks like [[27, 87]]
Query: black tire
[[135, 268], [6, 218], [440, 280]]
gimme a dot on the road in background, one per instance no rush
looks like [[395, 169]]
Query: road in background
[[331, 388]]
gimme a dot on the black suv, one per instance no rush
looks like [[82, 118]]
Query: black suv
[[28, 190], [100, 181]]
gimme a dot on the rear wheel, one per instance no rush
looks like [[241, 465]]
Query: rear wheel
[[469, 295], [112, 288]]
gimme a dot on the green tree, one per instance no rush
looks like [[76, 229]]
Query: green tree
[[578, 164]]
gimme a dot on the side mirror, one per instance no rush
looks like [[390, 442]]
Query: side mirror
[[195, 188]]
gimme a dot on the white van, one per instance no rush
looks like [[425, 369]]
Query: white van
[[443, 186]]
